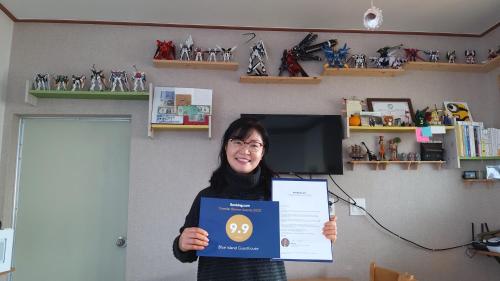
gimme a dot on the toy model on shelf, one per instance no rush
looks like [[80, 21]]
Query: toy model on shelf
[[336, 57]]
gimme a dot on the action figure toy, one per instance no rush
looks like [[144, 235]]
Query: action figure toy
[[227, 54], [433, 55], [212, 54], [78, 82], [420, 120], [412, 54], [492, 53], [302, 52], [41, 81], [398, 62], [387, 56], [393, 148], [451, 56], [359, 60], [198, 52], [336, 58], [119, 78], [256, 65], [61, 82], [97, 79], [470, 56], [381, 149], [164, 50], [357, 152], [435, 118], [186, 49], [139, 79], [371, 155]]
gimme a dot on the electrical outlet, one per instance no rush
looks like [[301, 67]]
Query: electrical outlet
[[355, 211]]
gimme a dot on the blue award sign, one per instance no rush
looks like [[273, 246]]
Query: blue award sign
[[240, 228]]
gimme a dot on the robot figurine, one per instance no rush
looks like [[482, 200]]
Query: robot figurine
[[119, 78], [227, 54], [212, 54], [433, 55], [358, 60], [61, 82], [78, 82], [97, 79], [451, 56], [164, 50], [470, 56], [139, 79], [198, 54], [256, 65], [302, 52], [41, 81], [186, 49], [492, 53], [412, 54], [387, 56], [336, 58]]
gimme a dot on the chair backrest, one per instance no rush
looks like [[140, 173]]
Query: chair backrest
[[384, 274]]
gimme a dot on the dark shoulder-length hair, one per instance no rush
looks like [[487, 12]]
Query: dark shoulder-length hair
[[241, 129]]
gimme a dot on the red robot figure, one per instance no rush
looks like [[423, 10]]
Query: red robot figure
[[164, 50], [412, 54]]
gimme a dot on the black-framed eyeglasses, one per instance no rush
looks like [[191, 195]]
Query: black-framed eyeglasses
[[252, 146]]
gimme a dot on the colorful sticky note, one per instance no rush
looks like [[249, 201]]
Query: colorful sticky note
[[419, 136], [426, 132], [438, 130]]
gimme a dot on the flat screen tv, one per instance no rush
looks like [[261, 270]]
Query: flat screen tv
[[303, 144]]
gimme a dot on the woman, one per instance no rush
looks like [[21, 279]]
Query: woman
[[242, 174]]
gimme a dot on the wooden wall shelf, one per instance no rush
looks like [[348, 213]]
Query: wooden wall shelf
[[388, 72], [279, 80], [381, 165], [387, 129], [454, 67], [485, 253], [484, 158], [89, 95], [217, 65], [481, 181]]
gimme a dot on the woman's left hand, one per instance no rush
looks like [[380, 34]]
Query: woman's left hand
[[330, 229]]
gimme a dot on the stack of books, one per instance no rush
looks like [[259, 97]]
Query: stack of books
[[476, 141]]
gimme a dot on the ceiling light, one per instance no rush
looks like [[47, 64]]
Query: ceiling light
[[372, 19]]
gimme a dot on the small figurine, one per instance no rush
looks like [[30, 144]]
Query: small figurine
[[336, 58], [492, 53], [470, 56], [78, 82], [97, 78], [433, 55], [393, 148], [435, 117], [139, 79], [119, 78], [412, 54], [359, 60], [302, 52], [398, 63], [451, 56], [164, 50], [357, 152], [388, 120], [447, 118], [387, 56], [198, 52], [412, 156], [212, 54], [186, 49], [381, 148], [371, 155], [41, 81], [420, 120], [61, 82], [227, 54], [408, 118], [256, 65]]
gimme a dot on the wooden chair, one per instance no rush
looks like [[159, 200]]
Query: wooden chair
[[384, 274]]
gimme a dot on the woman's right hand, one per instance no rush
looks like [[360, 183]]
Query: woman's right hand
[[193, 238]]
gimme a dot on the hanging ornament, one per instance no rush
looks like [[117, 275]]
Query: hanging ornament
[[372, 19]]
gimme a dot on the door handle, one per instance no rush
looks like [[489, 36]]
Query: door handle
[[121, 242]]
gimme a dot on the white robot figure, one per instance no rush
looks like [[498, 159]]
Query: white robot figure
[[256, 65], [212, 54], [139, 79], [433, 55], [198, 54], [41, 81], [61, 82], [186, 49], [359, 60], [97, 79], [470, 56], [119, 78], [227, 54], [78, 82], [451, 56]]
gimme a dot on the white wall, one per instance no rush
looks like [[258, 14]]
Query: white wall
[[430, 206]]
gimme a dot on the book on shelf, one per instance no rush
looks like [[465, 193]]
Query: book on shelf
[[473, 140]]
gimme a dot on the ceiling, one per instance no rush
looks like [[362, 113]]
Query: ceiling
[[429, 16]]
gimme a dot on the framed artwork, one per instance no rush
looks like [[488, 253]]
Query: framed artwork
[[397, 108], [181, 106], [459, 110]]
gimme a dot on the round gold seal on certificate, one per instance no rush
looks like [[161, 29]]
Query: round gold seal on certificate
[[239, 228]]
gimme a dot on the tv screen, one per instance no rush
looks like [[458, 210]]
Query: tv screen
[[303, 144]]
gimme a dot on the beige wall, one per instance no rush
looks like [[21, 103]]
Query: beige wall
[[430, 206]]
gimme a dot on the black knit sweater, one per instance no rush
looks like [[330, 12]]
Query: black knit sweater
[[245, 187]]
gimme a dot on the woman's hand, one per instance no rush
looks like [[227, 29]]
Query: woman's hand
[[330, 229], [193, 238]]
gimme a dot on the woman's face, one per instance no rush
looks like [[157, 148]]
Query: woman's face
[[245, 155]]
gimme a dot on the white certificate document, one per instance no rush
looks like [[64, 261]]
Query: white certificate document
[[303, 211]]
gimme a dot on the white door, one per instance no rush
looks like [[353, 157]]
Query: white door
[[72, 197]]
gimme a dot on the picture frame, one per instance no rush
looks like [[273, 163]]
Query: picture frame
[[395, 107], [458, 110]]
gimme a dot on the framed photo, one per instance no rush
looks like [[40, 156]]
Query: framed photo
[[397, 108], [459, 110]]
